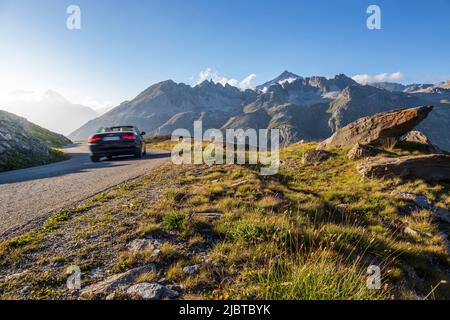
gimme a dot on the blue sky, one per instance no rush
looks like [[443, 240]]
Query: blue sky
[[125, 46]]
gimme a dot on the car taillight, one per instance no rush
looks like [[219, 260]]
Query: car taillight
[[94, 139], [129, 136]]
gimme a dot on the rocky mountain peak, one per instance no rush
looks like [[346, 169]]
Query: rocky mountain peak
[[206, 84], [158, 88], [55, 97], [167, 85], [284, 77], [287, 74], [215, 86], [342, 81]]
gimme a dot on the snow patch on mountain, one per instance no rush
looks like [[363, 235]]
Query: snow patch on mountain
[[288, 80]]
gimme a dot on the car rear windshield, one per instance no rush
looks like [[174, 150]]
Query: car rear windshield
[[116, 129]]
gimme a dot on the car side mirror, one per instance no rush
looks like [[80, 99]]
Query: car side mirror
[[143, 133]]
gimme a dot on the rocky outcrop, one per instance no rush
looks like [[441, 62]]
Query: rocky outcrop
[[314, 156], [420, 142], [384, 129], [23, 143], [435, 167], [361, 151], [16, 141], [115, 282]]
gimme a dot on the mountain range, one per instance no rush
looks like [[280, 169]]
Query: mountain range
[[304, 108]]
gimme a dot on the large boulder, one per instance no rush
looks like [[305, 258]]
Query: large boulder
[[383, 129], [433, 167]]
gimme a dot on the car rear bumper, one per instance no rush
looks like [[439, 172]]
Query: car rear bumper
[[114, 150]]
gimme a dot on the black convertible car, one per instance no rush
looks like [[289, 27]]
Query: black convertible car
[[117, 141]]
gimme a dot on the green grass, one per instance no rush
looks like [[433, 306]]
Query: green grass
[[302, 211], [148, 228], [169, 251], [174, 220], [128, 260], [15, 160], [50, 138], [309, 232], [175, 272], [319, 276], [253, 228]]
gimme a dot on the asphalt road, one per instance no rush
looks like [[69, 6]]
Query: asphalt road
[[28, 194]]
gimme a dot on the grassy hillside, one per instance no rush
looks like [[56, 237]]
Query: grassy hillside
[[15, 160], [309, 232], [52, 139], [25, 144]]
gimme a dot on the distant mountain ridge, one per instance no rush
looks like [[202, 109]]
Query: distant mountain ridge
[[411, 88], [303, 108], [50, 110]]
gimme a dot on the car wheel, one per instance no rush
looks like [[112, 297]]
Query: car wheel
[[109, 157], [95, 158], [138, 153]]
